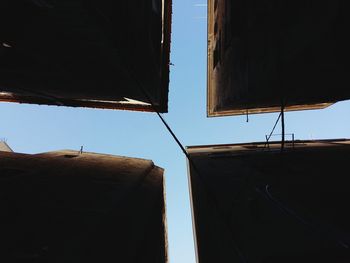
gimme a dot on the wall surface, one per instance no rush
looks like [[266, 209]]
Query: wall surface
[[265, 53], [70, 207], [253, 204], [85, 53]]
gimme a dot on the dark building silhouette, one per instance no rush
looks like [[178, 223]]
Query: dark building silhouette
[[70, 207], [252, 203], [281, 201], [86, 53], [265, 53]]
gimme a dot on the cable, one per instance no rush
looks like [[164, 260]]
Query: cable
[[164, 122], [195, 169]]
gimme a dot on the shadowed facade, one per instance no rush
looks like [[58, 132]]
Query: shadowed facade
[[263, 53], [252, 203], [70, 207], [86, 53]]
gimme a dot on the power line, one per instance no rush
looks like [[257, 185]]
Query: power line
[[209, 194]]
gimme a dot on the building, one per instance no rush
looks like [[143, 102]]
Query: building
[[71, 206], [262, 54], [100, 54], [4, 147], [68, 206], [253, 203], [279, 201]]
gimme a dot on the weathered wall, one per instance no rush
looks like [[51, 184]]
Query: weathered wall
[[70, 207], [254, 204], [264, 52], [85, 53]]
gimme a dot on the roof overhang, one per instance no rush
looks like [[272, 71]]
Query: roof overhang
[[81, 206], [252, 201], [261, 56], [103, 54]]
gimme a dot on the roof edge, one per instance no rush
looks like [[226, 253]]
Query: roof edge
[[165, 68]]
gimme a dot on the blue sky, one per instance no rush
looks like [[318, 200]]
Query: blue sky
[[33, 129]]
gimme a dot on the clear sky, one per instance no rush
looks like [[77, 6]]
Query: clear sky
[[34, 129]]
